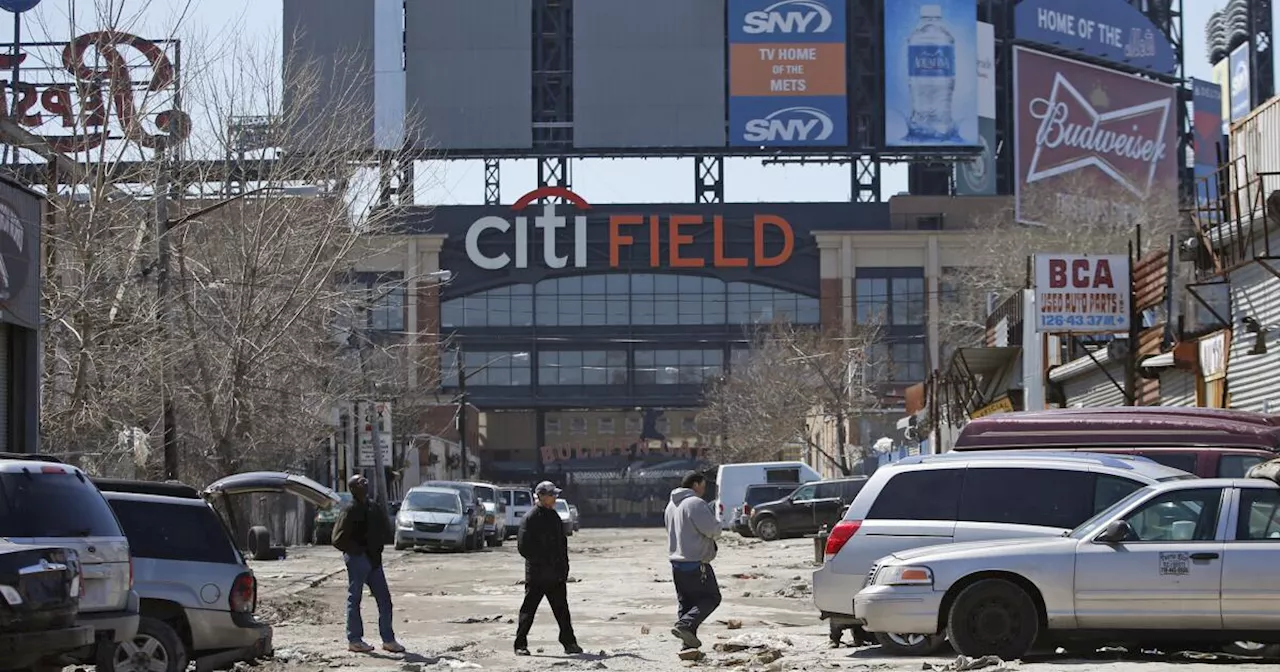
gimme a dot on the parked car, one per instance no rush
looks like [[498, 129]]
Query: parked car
[[519, 502], [808, 509], [732, 481], [475, 511], [495, 513], [961, 497], [1208, 442], [573, 515], [757, 494], [39, 602], [325, 518], [45, 503], [566, 516], [1187, 561], [198, 592], [435, 518]]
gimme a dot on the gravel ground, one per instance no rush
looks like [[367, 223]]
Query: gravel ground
[[458, 611]]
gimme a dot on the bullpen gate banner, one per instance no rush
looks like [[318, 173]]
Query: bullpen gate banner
[[1090, 143], [787, 83], [1206, 105]]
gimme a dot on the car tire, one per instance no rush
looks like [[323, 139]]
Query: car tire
[[499, 540], [402, 547], [909, 645], [157, 641], [491, 541], [767, 529], [1252, 650], [993, 617], [259, 543]]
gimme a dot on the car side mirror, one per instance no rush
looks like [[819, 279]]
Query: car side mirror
[[1116, 532]]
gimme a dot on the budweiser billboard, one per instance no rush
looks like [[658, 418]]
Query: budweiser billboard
[[1091, 142]]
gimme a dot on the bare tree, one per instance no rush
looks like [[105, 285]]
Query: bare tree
[[244, 338], [792, 378]]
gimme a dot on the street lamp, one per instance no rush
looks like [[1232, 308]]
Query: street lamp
[[463, 375]]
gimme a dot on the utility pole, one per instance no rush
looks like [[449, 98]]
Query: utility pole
[[163, 225], [462, 413]]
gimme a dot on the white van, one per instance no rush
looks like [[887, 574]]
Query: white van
[[732, 481]]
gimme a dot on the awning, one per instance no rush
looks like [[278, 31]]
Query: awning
[[1158, 361], [1081, 365], [983, 361]]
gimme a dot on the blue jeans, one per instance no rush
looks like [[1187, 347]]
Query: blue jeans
[[361, 572]]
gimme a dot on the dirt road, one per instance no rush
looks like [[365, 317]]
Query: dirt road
[[458, 611]]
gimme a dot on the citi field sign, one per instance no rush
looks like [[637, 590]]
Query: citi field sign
[[657, 240]]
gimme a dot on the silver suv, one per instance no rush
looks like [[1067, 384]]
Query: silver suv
[[198, 592], [44, 502], [965, 497], [495, 513]]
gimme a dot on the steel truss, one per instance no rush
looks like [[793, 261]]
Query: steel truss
[[708, 179]]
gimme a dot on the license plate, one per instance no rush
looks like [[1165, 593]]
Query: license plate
[[95, 594]]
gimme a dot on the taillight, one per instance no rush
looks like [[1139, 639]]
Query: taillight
[[131, 570], [244, 594], [840, 535], [746, 509]]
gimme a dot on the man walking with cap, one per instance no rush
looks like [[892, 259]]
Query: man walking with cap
[[360, 532], [692, 530], [545, 548]]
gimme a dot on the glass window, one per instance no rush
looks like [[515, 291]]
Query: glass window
[[806, 493], [929, 494], [907, 299], [1259, 515], [578, 426], [677, 367], [1108, 490], [508, 306], [605, 426], [1183, 461], [572, 367], [1040, 497], [53, 505], [873, 300], [1182, 515], [500, 369], [524, 498], [908, 362], [553, 425], [189, 532], [829, 490], [1236, 466], [787, 475]]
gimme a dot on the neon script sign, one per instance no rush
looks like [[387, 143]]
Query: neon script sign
[[101, 93], [672, 250]]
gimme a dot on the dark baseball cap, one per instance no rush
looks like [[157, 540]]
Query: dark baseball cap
[[546, 488]]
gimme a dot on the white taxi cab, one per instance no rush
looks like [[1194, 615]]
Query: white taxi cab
[[1187, 561]]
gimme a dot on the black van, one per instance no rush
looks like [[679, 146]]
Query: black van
[[806, 510]]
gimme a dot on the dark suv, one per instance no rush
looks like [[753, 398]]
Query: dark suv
[[806, 510], [39, 602], [756, 495]]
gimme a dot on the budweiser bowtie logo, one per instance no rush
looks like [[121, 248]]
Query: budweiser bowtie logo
[[1126, 144]]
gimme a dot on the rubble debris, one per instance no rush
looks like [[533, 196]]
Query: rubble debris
[[644, 629], [733, 624], [692, 654], [965, 664], [470, 620]]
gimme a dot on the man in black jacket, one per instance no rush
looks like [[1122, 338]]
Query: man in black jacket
[[545, 548], [360, 532]]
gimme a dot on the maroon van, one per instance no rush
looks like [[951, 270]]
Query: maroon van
[[1208, 442]]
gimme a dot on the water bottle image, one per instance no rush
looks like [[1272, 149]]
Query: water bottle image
[[931, 73]]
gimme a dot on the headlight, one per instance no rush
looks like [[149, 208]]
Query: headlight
[[455, 526], [904, 575], [403, 521], [11, 595]]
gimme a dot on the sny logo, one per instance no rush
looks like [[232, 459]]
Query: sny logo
[[789, 16], [791, 124], [1240, 78]]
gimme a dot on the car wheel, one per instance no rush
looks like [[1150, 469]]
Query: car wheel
[[156, 648], [993, 617], [1252, 649], [909, 645], [402, 547], [491, 541], [498, 540], [767, 528]]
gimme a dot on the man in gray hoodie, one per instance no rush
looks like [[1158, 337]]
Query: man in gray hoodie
[[692, 530]]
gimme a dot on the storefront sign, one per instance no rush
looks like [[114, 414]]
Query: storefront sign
[[112, 85], [629, 450], [1082, 294], [1104, 29], [1001, 405], [668, 239], [1213, 356]]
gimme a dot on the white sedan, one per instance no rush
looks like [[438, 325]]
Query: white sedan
[[1191, 562]]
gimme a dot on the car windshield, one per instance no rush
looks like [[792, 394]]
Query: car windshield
[[440, 502], [486, 494], [1090, 526], [562, 506], [466, 492], [53, 505]]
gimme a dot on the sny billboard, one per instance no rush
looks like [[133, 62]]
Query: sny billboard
[[1104, 29], [931, 73], [787, 82], [1090, 143], [977, 177], [1241, 87]]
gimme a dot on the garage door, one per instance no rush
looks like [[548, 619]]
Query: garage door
[[5, 379]]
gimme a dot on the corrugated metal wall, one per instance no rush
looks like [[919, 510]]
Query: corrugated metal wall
[[1177, 388], [1093, 388], [1251, 379]]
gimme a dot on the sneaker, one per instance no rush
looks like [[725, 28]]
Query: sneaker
[[393, 647], [573, 650], [522, 651], [359, 647], [687, 637]]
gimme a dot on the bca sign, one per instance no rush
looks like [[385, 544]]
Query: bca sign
[[1082, 293]]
